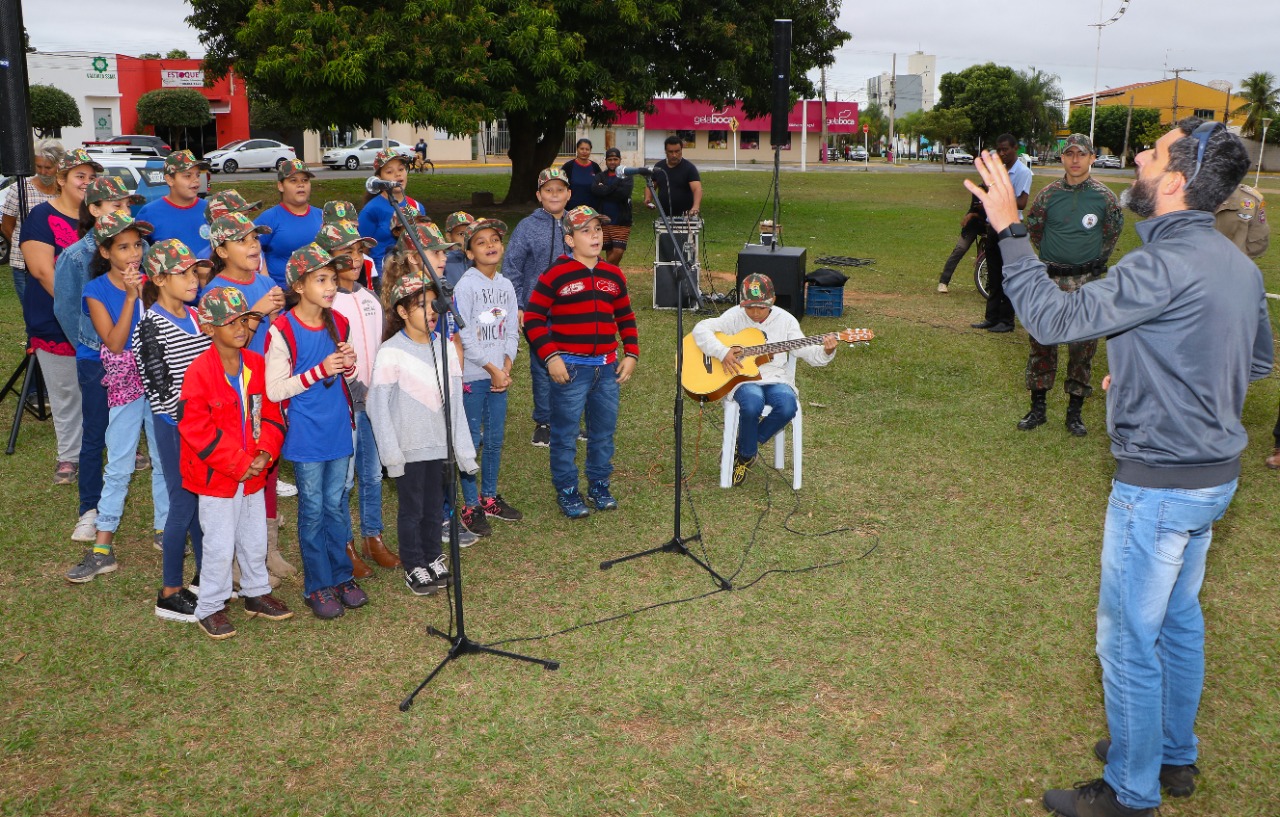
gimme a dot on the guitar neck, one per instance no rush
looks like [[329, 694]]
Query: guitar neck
[[783, 346]]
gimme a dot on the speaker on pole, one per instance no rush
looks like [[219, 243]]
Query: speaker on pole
[[781, 81], [16, 157]]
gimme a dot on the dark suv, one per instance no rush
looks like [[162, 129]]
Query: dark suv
[[142, 140]]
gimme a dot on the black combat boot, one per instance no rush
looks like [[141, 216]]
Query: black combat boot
[[1037, 416], [1074, 424]]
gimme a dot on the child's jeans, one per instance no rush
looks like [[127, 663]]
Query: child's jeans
[[593, 389], [322, 524], [366, 468], [184, 507], [124, 426], [234, 527], [487, 419]]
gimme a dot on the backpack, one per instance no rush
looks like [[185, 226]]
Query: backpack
[[286, 331]]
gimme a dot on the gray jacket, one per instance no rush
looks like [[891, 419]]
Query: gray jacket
[[1186, 323], [535, 244]]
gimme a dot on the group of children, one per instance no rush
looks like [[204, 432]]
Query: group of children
[[229, 365]]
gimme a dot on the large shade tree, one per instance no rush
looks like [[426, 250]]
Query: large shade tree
[[455, 63], [1040, 97], [52, 109], [988, 95], [1262, 101]]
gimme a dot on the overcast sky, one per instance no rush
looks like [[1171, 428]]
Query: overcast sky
[[1056, 37]]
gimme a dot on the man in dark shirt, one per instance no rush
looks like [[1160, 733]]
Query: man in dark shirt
[[677, 180]]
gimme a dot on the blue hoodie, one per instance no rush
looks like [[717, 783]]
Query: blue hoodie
[[535, 244]]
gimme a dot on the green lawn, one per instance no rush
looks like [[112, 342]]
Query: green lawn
[[941, 664]]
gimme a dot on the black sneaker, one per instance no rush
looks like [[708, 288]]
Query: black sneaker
[[1095, 798], [542, 435], [598, 493], [420, 581], [217, 626], [473, 519], [440, 575], [498, 508], [181, 606], [1178, 781], [741, 465]]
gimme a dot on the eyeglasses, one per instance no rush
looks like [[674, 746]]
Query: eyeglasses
[[1202, 135]]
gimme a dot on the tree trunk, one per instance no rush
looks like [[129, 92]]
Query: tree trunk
[[535, 143]]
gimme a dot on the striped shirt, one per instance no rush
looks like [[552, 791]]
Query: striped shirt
[[164, 347], [583, 311]]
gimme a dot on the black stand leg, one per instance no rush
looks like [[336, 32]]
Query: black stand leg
[[676, 544], [32, 382]]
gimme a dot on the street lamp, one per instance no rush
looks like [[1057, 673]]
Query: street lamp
[[1262, 149], [1097, 59]]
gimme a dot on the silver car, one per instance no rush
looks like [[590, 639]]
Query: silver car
[[361, 153]]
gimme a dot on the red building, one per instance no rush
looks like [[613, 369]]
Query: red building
[[228, 101]]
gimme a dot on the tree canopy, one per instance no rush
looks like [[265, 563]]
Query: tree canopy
[[1108, 126], [455, 63], [1262, 102], [997, 99], [173, 108], [52, 108]]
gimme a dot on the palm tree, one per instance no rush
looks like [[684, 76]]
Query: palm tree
[[1263, 101], [1040, 97]]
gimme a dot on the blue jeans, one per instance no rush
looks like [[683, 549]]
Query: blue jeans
[[487, 419], [322, 526], [541, 384], [593, 389], [1151, 630], [751, 399], [184, 507], [125, 426], [366, 468], [94, 415], [19, 282]]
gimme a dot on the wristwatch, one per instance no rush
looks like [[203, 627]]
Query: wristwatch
[[1015, 230]]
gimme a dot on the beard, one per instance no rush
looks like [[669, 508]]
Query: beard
[[1140, 198]]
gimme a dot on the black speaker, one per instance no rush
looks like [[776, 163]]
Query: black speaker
[[16, 157], [665, 282], [781, 81], [784, 266]]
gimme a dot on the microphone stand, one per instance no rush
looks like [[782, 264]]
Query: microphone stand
[[459, 643], [684, 278]]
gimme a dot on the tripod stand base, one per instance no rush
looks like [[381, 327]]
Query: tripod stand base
[[674, 545], [460, 645]]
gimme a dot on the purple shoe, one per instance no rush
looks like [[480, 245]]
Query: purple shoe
[[351, 594], [324, 603]]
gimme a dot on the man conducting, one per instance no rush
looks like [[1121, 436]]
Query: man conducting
[[1187, 323], [1074, 223]]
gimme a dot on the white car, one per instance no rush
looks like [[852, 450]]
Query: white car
[[361, 154], [262, 154], [1028, 159], [959, 156]]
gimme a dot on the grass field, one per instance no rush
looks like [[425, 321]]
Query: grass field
[[939, 662]]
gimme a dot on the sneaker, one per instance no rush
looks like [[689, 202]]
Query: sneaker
[[741, 465], [942, 288], [142, 462], [267, 606], [86, 527], [440, 575], [324, 604], [498, 508], [91, 565], [285, 489], [217, 626], [542, 435], [1094, 798], [158, 540], [465, 537], [181, 606], [419, 581], [350, 594], [582, 435], [599, 495], [571, 504], [1178, 781], [474, 519], [66, 473]]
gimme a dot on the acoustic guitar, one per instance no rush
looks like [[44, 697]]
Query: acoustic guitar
[[704, 377]]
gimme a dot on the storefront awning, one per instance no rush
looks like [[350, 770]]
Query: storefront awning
[[685, 114]]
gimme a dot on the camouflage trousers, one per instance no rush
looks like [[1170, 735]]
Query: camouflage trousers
[[1042, 364]]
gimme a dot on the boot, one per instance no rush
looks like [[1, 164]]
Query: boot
[[276, 565], [1074, 423], [375, 550], [359, 570], [235, 577], [1037, 416]]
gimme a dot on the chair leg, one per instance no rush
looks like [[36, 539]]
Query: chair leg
[[797, 449], [729, 445]]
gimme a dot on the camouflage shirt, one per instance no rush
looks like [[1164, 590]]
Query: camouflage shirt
[[1075, 224]]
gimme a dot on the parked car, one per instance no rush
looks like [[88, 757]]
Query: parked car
[[1110, 160], [138, 153], [142, 140], [146, 179], [361, 154], [858, 155], [959, 156], [263, 154], [1029, 159]]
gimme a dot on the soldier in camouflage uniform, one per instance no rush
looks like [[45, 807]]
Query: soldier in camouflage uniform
[[1243, 219], [1074, 224]]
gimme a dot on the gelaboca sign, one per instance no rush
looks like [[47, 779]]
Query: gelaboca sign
[[181, 78]]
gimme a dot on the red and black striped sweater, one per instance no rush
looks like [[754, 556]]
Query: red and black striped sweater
[[579, 311]]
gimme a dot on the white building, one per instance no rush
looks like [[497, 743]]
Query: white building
[[92, 80]]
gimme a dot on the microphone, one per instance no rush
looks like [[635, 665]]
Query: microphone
[[634, 171], [375, 185]]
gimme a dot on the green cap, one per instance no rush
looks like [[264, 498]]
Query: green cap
[[286, 169], [414, 216], [75, 158], [430, 237], [757, 290], [181, 161], [170, 257], [227, 201], [109, 188], [579, 217], [552, 174], [1080, 141], [233, 227], [222, 306], [339, 211], [340, 235], [386, 156], [113, 224], [408, 284], [309, 259], [483, 224], [458, 219]]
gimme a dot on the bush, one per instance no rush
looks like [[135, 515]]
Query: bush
[[52, 109]]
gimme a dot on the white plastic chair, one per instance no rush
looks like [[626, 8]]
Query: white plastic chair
[[729, 445]]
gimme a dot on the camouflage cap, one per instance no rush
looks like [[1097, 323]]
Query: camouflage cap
[[286, 169], [411, 213], [109, 188], [222, 306], [757, 290], [181, 161], [335, 211], [458, 219], [111, 225], [1079, 141], [340, 235], [76, 157], [579, 217], [170, 257], [233, 227], [429, 236], [386, 156], [552, 174], [227, 201], [483, 224], [406, 285], [310, 258]]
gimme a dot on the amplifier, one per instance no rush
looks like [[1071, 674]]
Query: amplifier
[[784, 266]]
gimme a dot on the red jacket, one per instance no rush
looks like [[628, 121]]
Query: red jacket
[[218, 443]]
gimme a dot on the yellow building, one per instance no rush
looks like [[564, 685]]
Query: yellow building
[[1174, 98]]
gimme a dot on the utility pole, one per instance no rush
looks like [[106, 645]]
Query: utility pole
[[893, 100], [1177, 75], [1124, 155], [823, 74], [1226, 107]]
